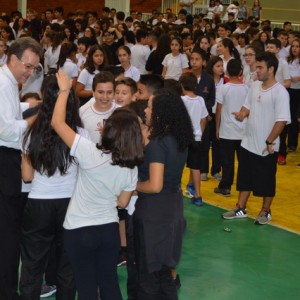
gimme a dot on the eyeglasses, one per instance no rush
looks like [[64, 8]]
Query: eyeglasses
[[248, 55], [29, 67]]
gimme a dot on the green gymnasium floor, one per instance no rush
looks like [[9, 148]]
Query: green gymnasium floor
[[250, 262]]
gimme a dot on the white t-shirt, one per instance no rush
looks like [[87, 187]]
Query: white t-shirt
[[139, 57], [51, 58], [93, 120], [57, 186], [133, 73], [283, 72], [197, 111], [294, 68], [175, 65], [248, 76], [220, 83], [86, 79], [81, 59], [70, 69], [98, 185], [232, 97], [266, 108]]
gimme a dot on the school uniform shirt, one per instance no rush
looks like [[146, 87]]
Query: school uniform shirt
[[57, 186], [283, 72], [81, 59], [98, 185], [294, 68], [139, 57], [232, 97], [133, 73], [266, 108], [175, 65], [51, 58], [197, 111], [93, 120], [86, 78], [70, 68]]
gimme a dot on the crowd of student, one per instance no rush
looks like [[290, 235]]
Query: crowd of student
[[119, 106]]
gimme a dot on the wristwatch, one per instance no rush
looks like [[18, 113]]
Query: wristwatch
[[269, 143]]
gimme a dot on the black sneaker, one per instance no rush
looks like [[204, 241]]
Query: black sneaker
[[47, 290], [223, 192], [122, 260]]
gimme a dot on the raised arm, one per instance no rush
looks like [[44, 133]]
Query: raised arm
[[58, 121]]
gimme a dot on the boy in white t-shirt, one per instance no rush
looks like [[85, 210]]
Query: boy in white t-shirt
[[268, 111], [99, 108], [230, 97], [196, 108]]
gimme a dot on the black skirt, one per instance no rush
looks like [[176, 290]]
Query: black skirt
[[159, 225]]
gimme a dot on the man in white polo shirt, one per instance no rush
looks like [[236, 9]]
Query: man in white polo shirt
[[267, 109]]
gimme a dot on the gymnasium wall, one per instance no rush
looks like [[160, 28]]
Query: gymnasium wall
[[7, 6]]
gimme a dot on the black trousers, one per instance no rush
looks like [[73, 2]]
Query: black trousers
[[42, 228], [215, 147], [228, 150], [293, 128], [11, 210], [205, 144], [93, 252], [131, 261]]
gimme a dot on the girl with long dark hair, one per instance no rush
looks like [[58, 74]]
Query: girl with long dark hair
[[95, 62], [47, 162]]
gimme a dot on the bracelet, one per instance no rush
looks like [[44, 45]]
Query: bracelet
[[63, 91]]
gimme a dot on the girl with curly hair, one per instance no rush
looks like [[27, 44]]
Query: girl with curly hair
[[158, 219], [47, 162]]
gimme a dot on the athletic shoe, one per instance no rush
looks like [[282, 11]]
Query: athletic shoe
[[223, 192], [197, 201], [190, 190], [122, 260], [237, 213], [291, 149], [217, 176], [204, 177], [47, 290], [263, 218], [281, 160]]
